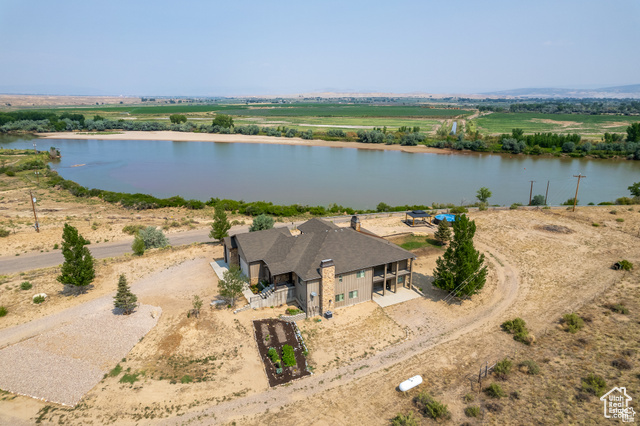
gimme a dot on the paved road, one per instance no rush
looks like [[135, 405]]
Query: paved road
[[37, 260]]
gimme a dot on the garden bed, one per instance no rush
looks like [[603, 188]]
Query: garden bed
[[273, 333]]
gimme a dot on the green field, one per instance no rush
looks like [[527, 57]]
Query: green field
[[498, 123], [345, 123], [278, 110]]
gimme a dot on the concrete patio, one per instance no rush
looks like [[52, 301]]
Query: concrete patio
[[403, 294]]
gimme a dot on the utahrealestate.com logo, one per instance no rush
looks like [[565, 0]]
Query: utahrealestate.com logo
[[617, 405]]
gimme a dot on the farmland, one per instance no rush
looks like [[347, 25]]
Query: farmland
[[498, 123]]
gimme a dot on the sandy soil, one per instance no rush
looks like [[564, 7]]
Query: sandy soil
[[536, 273], [214, 137]]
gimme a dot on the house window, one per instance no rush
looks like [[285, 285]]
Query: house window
[[339, 297], [340, 278], [353, 294], [400, 280], [360, 274]]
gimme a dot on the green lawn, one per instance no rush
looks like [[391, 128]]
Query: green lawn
[[414, 242], [498, 123], [314, 123]]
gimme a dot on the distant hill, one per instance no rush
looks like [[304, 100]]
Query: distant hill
[[629, 91]]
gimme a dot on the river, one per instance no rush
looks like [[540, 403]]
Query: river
[[359, 178]]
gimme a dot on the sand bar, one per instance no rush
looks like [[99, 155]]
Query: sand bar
[[234, 138]]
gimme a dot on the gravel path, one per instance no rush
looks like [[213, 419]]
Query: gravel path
[[66, 362]]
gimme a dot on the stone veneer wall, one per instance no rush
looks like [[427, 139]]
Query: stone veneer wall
[[233, 257], [327, 288]]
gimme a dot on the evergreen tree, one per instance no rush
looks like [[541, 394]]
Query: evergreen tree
[[138, 245], [124, 299], [461, 269], [77, 269], [261, 223], [220, 226], [443, 234]]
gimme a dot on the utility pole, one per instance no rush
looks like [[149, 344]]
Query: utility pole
[[33, 204], [575, 199], [531, 191], [546, 193]]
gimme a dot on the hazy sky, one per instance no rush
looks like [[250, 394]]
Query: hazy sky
[[283, 47]]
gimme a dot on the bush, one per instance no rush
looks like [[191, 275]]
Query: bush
[[518, 328], [503, 368], [4, 232], [473, 411], [619, 219], [401, 420], [594, 384], [514, 326], [138, 246], [621, 364], [26, 285], [132, 229], [153, 238], [495, 391], [3, 311], [129, 378], [432, 408], [494, 407], [619, 308], [514, 206], [38, 299], [459, 210], [10, 173], [625, 265], [573, 322], [116, 371], [186, 379], [530, 367], [293, 311], [288, 356]]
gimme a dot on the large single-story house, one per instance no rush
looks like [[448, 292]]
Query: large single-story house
[[325, 266]]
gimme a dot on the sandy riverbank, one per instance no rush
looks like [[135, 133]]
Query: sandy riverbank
[[215, 137]]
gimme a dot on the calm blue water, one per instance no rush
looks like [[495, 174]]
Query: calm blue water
[[318, 175]]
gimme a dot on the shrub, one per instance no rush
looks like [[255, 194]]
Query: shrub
[[494, 407], [402, 420], [4, 232], [138, 245], [288, 356], [530, 367], [494, 390], [153, 238], [619, 308], [10, 173], [573, 322], [583, 397], [625, 265], [132, 229], [619, 219], [473, 411], [459, 210], [38, 299], [594, 384], [621, 364], [515, 206], [469, 397], [432, 408], [514, 326], [3, 311], [503, 368], [26, 285], [186, 379]]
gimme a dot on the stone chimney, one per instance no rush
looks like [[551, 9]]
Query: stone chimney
[[355, 223], [327, 285]]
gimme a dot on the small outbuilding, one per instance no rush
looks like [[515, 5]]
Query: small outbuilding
[[417, 218]]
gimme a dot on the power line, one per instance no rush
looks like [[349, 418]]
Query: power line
[[575, 199]]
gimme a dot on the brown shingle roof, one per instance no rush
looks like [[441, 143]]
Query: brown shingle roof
[[349, 249]]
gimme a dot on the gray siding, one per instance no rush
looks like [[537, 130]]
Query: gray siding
[[351, 282], [313, 306], [301, 292]]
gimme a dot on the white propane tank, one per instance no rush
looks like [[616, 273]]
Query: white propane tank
[[410, 383]]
